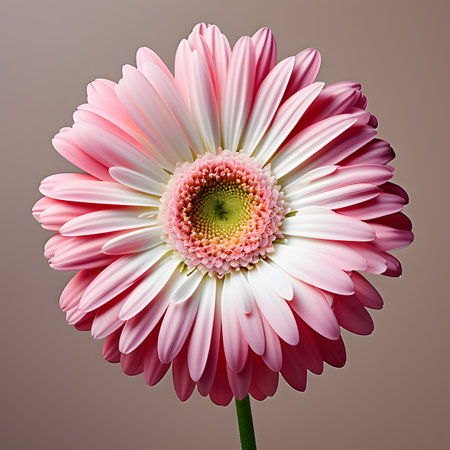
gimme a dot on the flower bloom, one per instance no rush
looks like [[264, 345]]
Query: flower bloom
[[225, 216]]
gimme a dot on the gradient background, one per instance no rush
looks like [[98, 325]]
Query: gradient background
[[59, 393]]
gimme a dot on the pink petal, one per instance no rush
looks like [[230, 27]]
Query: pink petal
[[240, 381], [265, 53], [184, 386], [306, 68], [352, 316]]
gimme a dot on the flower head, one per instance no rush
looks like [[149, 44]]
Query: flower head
[[224, 217]]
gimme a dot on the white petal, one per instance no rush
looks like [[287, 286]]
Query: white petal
[[188, 287], [277, 278], [137, 181]]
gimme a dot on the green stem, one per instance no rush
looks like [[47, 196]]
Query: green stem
[[245, 423]]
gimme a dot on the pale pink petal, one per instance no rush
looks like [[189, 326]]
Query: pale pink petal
[[234, 342], [202, 330], [134, 241], [102, 192], [280, 282], [275, 309], [321, 223], [107, 318], [118, 276], [238, 93], [149, 287], [66, 148], [72, 293], [308, 142], [203, 102], [267, 101], [272, 355], [313, 268], [105, 221], [168, 91], [146, 55], [151, 114], [137, 181], [287, 116], [175, 327]]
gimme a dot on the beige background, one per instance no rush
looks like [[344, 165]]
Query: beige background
[[59, 393]]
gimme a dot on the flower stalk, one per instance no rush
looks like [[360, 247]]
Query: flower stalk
[[245, 424]]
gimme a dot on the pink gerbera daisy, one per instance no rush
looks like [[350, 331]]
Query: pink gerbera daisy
[[225, 216]]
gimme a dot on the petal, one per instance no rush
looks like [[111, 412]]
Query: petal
[[274, 308], [238, 93], [203, 102], [352, 316], [136, 180], [265, 53], [105, 221], [312, 307], [308, 142], [175, 327], [200, 341], [289, 113], [101, 192], [134, 242], [154, 281], [312, 268], [118, 276], [306, 68], [278, 278], [234, 343], [154, 119], [267, 101], [321, 223]]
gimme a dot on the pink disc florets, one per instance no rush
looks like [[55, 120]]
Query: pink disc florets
[[223, 211]]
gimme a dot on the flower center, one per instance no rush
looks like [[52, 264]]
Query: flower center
[[219, 210], [222, 212]]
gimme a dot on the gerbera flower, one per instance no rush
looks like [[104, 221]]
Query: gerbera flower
[[225, 216]]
